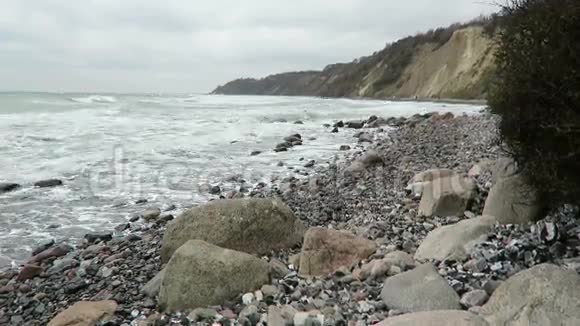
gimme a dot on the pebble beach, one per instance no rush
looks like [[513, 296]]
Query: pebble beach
[[352, 241]]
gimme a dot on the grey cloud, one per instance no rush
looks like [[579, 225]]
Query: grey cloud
[[188, 46]]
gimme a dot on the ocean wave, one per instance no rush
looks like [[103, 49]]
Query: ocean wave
[[192, 99], [152, 101], [94, 99], [289, 117]]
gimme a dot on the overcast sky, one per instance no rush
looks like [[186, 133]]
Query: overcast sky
[[194, 45]]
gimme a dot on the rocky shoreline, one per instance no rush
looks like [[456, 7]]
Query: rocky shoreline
[[389, 233]]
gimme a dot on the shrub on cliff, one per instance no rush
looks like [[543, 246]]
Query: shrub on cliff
[[537, 94]]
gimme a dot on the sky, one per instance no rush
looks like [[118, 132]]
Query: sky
[[187, 46]]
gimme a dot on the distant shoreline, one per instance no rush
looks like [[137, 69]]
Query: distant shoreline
[[387, 99]]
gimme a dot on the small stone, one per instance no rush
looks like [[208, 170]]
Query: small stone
[[40, 309], [269, 290], [215, 190], [319, 303], [122, 227], [344, 148], [490, 286], [74, 285], [408, 245], [248, 298], [254, 153], [476, 265], [16, 320], [474, 298], [259, 296], [42, 247], [251, 313], [29, 271], [201, 314], [102, 236], [364, 307], [62, 265], [151, 214], [132, 237], [278, 269], [105, 272]]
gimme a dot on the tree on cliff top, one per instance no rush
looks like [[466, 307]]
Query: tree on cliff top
[[537, 94]]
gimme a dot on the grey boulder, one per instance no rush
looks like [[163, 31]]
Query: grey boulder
[[454, 242], [436, 318], [511, 201], [542, 295], [421, 289], [255, 226], [446, 196], [200, 274]]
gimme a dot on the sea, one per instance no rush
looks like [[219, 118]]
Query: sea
[[111, 150]]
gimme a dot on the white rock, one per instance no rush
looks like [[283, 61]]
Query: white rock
[[248, 298]]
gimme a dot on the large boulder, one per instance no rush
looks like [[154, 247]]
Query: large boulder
[[255, 226], [454, 242], [511, 201], [326, 250], [85, 313], [446, 196], [200, 274], [421, 289], [542, 295], [436, 318], [6, 187]]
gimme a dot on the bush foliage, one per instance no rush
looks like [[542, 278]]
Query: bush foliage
[[536, 92]]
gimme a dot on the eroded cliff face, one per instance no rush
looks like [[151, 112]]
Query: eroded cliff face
[[459, 67]]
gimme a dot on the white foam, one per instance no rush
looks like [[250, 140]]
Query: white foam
[[126, 147], [94, 99]]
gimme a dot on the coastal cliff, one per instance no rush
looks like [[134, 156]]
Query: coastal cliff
[[453, 62]]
